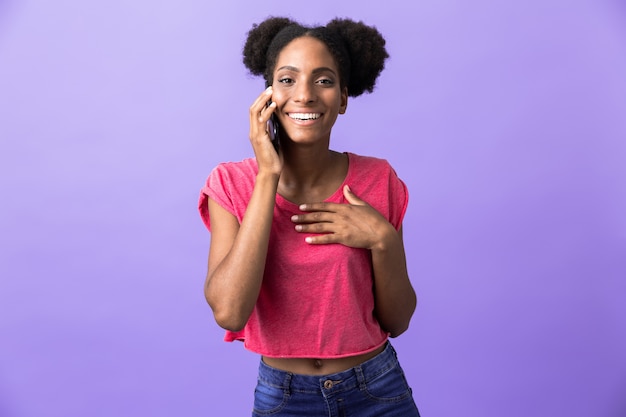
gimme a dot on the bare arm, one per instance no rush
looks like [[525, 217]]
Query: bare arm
[[359, 225], [238, 251], [237, 256], [393, 292]]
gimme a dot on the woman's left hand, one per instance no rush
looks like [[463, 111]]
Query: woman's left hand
[[356, 224]]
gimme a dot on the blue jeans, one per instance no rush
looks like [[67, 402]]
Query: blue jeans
[[377, 387]]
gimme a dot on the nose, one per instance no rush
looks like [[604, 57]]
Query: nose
[[305, 92]]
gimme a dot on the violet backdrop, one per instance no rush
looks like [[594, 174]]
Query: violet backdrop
[[507, 120]]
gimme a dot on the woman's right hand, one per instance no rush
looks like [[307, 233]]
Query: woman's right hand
[[267, 158]]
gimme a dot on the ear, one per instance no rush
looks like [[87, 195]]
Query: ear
[[344, 100]]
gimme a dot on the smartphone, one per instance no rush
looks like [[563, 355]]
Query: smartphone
[[273, 127]]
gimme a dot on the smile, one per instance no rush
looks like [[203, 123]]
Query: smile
[[304, 116]]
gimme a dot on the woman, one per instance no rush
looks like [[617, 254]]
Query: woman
[[306, 264]]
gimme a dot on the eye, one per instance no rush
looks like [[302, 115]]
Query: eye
[[285, 80], [326, 81]]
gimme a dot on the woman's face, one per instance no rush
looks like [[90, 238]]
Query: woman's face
[[307, 91]]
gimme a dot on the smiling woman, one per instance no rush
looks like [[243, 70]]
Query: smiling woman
[[307, 264]]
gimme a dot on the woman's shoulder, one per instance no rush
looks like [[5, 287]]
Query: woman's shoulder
[[365, 163], [374, 171], [233, 175], [245, 166]]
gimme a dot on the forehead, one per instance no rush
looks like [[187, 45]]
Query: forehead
[[306, 51]]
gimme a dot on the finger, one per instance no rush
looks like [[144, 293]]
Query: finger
[[314, 217], [263, 115], [327, 207], [266, 112], [315, 228], [259, 108], [321, 239], [351, 197], [259, 117], [261, 100]]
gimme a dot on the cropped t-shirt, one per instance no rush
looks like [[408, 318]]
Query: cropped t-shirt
[[315, 301]]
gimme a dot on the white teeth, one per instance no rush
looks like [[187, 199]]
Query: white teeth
[[304, 116]]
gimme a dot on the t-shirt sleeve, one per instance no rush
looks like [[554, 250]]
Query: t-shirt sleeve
[[217, 188], [398, 199]]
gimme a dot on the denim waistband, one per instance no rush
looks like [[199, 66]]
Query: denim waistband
[[341, 381]]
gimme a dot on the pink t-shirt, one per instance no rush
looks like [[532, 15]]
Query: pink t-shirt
[[316, 300]]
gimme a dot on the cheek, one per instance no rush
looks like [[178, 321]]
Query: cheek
[[279, 91], [279, 97]]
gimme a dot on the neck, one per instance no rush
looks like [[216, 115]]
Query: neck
[[307, 167]]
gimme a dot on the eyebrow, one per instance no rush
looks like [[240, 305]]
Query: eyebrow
[[315, 71]]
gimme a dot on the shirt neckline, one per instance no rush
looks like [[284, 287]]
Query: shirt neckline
[[333, 198]]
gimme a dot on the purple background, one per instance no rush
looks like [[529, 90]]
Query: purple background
[[506, 119]]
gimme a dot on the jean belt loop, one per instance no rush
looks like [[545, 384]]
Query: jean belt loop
[[360, 377], [287, 382]]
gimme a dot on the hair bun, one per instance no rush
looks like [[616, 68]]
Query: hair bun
[[258, 42], [366, 47]]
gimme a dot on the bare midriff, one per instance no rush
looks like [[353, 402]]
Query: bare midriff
[[312, 366]]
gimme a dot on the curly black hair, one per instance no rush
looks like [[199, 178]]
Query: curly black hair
[[358, 49]]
